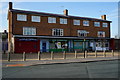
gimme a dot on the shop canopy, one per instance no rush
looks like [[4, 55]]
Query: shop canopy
[[58, 37]]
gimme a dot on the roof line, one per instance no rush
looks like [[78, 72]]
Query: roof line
[[51, 14]]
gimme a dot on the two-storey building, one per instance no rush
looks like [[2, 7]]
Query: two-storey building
[[31, 31]]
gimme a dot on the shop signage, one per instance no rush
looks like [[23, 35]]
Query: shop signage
[[57, 40], [27, 39], [81, 40]]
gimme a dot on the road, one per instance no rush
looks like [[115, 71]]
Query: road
[[102, 69]]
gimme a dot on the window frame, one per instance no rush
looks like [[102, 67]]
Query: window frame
[[103, 33], [51, 19], [84, 33], [63, 21], [57, 32], [29, 31], [21, 19], [33, 18], [96, 24], [86, 23], [75, 22]]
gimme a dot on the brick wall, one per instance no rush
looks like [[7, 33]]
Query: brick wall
[[45, 28]]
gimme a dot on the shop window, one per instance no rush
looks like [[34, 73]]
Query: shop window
[[76, 22], [57, 32], [85, 23], [63, 21], [21, 17], [29, 31], [97, 24], [35, 18], [101, 34], [98, 44], [51, 20], [102, 44], [58, 44], [82, 33]]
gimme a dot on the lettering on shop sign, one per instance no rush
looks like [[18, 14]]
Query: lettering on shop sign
[[27, 39]]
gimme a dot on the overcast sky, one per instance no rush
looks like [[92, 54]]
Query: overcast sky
[[82, 9]]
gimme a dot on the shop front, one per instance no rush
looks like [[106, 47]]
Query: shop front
[[102, 45], [80, 45], [26, 45], [57, 45]]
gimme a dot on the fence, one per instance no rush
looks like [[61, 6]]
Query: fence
[[61, 55]]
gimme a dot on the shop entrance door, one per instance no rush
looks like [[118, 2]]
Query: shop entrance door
[[44, 47]]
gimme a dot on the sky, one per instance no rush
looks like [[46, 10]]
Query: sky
[[82, 9]]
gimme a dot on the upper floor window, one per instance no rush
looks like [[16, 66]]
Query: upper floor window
[[105, 25], [29, 31], [51, 20], [101, 34], [76, 22], [35, 18], [63, 21], [85, 23], [57, 32], [97, 24], [21, 17], [82, 33]]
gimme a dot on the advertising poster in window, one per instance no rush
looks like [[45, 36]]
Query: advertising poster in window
[[58, 45], [78, 45]]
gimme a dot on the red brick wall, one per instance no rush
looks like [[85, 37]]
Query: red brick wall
[[45, 28]]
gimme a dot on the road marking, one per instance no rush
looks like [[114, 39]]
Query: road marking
[[15, 65]]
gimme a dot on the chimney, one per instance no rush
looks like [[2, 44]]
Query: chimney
[[65, 12], [10, 5], [5, 31], [103, 17]]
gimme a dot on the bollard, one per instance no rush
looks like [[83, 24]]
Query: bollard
[[39, 55], [95, 53], [112, 52], [64, 55], [24, 56], [85, 54], [104, 53], [8, 56], [52, 56], [75, 54]]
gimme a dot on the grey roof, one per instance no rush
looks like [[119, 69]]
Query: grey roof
[[57, 15]]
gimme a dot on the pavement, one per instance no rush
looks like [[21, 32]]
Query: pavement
[[56, 61]]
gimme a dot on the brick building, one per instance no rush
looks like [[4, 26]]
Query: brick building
[[31, 31]]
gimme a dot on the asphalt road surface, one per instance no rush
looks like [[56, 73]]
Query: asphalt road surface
[[102, 69]]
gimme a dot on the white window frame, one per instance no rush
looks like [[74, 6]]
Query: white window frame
[[105, 24], [84, 32], [99, 32], [63, 21], [85, 23], [21, 17], [35, 18], [51, 19], [29, 31], [60, 32], [76, 22], [97, 24]]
